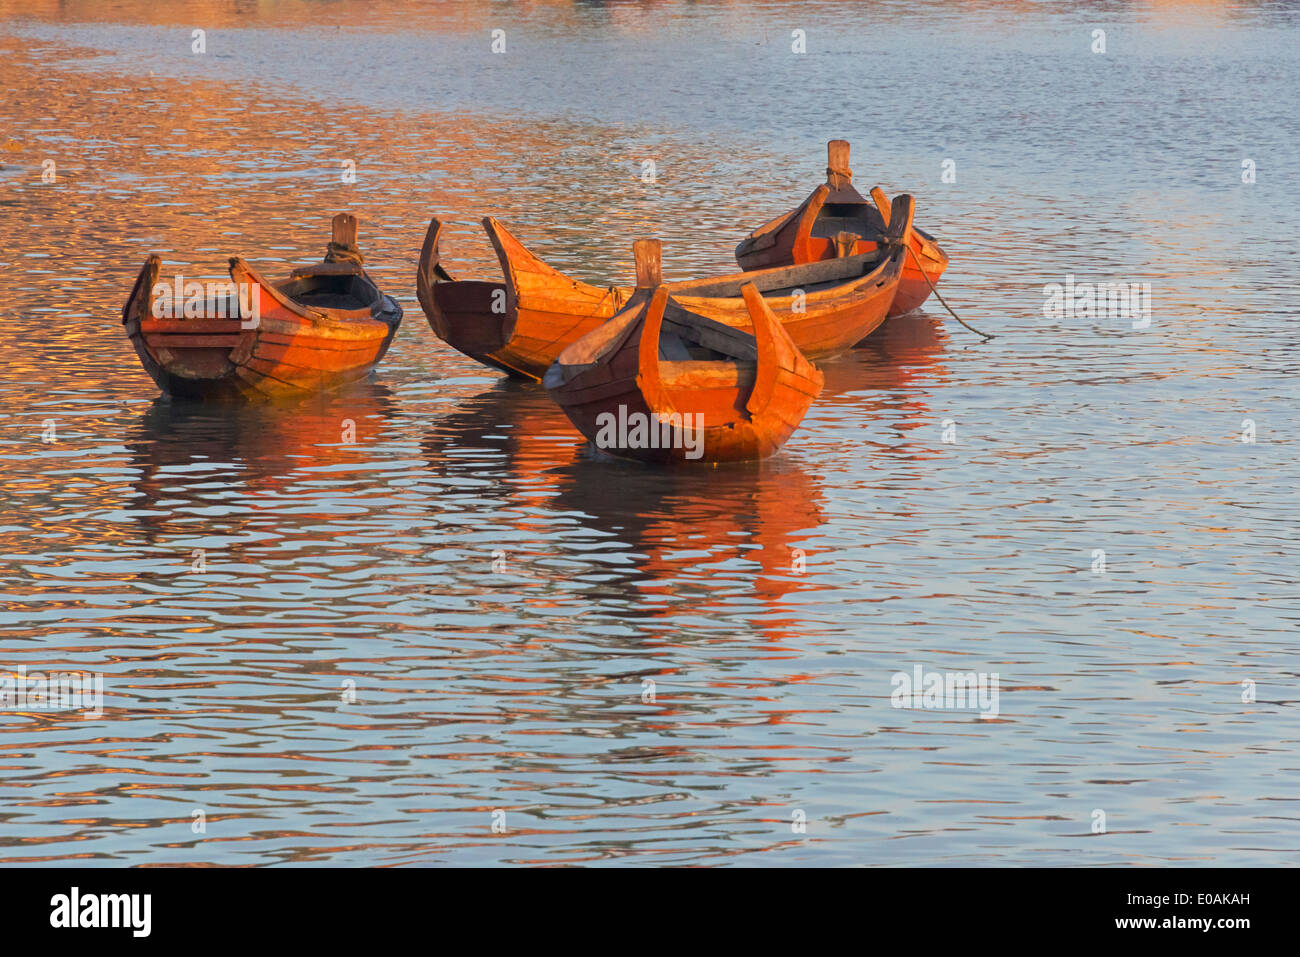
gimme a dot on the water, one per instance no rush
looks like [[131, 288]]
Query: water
[[496, 597]]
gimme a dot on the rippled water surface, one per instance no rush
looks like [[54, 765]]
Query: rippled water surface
[[459, 613]]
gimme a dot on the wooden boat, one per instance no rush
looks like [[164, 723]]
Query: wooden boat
[[323, 326], [659, 383], [522, 325], [835, 217]]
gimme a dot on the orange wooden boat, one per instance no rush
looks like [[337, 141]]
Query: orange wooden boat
[[837, 216], [522, 325], [659, 383], [323, 326]]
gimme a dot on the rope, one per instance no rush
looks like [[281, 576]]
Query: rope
[[926, 277], [337, 253]]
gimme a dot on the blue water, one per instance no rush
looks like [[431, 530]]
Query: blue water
[[459, 612]]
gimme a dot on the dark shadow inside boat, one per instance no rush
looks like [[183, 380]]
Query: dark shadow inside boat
[[686, 338], [331, 290], [860, 218]]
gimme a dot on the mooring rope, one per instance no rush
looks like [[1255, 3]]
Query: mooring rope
[[926, 276], [336, 252]]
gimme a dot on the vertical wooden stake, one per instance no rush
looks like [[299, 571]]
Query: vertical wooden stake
[[649, 267], [344, 232], [882, 203], [837, 164]]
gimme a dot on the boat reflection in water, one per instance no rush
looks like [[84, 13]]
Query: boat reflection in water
[[902, 354], [641, 541], [728, 542], [882, 386], [196, 456]]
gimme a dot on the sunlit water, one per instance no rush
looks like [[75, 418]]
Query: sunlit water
[[497, 598]]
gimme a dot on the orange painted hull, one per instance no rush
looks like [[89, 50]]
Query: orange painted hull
[[614, 384], [809, 232], [523, 324], [520, 325], [290, 349], [821, 322]]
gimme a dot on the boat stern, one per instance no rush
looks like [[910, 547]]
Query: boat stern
[[184, 340]]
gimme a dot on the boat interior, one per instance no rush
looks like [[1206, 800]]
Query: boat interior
[[714, 366], [861, 218], [331, 291], [685, 336], [784, 280]]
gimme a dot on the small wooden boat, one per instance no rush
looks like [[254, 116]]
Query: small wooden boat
[[519, 325], [323, 326], [825, 307], [835, 217], [659, 383], [522, 325]]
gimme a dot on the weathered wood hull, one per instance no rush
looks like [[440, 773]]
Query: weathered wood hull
[[519, 325], [810, 233], [833, 309], [912, 290], [523, 324], [614, 384], [290, 349], [917, 282]]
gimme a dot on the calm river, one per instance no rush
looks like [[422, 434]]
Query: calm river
[[461, 637]]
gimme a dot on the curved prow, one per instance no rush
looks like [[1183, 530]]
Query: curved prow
[[882, 203], [139, 305], [528, 279], [812, 208], [515, 258], [267, 296], [647, 377], [430, 271], [778, 357], [775, 350], [522, 270], [901, 214]]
